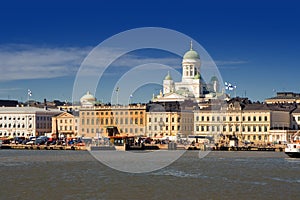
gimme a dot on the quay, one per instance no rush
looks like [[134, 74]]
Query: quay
[[42, 147]]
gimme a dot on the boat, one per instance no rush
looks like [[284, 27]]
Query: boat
[[127, 143], [293, 149]]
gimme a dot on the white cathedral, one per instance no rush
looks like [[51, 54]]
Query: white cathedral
[[192, 86]]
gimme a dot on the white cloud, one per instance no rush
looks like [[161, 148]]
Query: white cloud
[[19, 62]]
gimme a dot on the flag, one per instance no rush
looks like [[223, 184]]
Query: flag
[[229, 86], [29, 93]]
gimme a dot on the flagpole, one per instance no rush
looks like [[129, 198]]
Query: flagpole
[[117, 91]]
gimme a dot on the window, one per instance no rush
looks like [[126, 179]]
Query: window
[[237, 119], [259, 137], [173, 128], [249, 119], [167, 128], [173, 119], [266, 118], [254, 118], [230, 119]]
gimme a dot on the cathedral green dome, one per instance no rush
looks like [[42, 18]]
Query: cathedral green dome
[[191, 54]]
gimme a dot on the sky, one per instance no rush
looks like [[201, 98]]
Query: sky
[[255, 44]]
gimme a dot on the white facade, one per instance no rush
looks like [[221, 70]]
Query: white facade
[[25, 121], [252, 123], [191, 85]]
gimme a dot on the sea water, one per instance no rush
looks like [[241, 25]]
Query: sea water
[[29, 174]]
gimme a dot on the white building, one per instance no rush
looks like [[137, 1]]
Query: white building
[[249, 122], [25, 121], [192, 85]]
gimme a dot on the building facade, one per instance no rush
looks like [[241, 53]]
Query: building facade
[[65, 125], [250, 123], [169, 119], [130, 119], [25, 121]]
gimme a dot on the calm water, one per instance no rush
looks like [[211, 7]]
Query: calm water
[[77, 175]]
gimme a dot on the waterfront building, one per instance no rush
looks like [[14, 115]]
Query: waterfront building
[[165, 119], [129, 119], [284, 98], [95, 120], [65, 124], [26, 121], [249, 122]]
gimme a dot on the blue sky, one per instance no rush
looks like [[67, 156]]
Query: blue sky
[[255, 44]]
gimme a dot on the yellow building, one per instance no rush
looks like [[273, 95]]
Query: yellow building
[[169, 119], [65, 124], [129, 119]]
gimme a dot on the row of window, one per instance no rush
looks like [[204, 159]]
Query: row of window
[[40, 118], [155, 128], [125, 130], [67, 121], [3, 125], [14, 118], [12, 134], [67, 128], [43, 125], [110, 121], [232, 128], [257, 137], [230, 118], [112, 113], [155, 119]]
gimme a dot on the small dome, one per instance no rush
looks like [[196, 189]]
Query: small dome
[[168, 77], [87, 97], [197, 76], [191, 54], [213, 79]]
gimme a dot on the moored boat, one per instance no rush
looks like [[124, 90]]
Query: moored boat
[[293, 149]]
